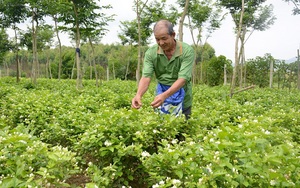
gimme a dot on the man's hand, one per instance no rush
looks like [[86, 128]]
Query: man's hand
[[136, 102], [158, 100]]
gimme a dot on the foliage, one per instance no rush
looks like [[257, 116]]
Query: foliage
[[153, 12], [258, 71], [250, 140], [215, 70], [4, 45]]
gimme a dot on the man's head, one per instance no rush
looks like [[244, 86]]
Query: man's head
[[164, 35]]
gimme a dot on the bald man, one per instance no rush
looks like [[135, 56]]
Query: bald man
[[172, 62]]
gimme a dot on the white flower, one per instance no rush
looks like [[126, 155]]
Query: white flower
[[175, 181], [107, 143], [272, 182], [145, 154], [240, 126], [161, 182], [23, 141], [154, 131], [155, 186], [235, 170], [200, 180]]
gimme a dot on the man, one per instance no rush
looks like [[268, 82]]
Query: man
[[172, 63]]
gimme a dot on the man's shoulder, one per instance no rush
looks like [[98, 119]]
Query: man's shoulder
[[153, 47], [186, 45]]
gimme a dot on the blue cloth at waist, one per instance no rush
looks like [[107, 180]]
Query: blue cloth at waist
[[174, 99]]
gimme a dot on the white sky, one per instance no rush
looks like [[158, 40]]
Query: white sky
[[282, 39]]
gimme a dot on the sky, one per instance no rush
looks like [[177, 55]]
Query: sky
[[281, 40]]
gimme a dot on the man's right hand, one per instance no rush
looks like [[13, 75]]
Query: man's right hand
[[136, 102]]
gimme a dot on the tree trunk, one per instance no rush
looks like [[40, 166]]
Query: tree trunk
[[78, 65], [60, 51], [233, 81], [137, 74], [181, 21], [128, 63], [34, 46], [94, 62], [139, 10], [17, 55]]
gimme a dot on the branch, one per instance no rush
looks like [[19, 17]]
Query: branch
[[241, 90]]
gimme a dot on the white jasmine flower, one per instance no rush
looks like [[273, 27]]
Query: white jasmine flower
[[200, 180], [175, 181], [272, 182], [107, 143], [145, 154]]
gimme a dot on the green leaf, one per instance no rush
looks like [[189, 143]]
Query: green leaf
[[179, 173]]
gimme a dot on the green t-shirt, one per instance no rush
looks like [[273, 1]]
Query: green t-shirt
[[168, 71]]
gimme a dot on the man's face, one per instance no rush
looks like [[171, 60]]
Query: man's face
[[163, 39]]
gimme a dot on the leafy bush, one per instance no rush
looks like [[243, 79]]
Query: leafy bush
[[250, 140]]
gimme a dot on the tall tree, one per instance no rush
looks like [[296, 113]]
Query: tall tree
[[36, 13], [4, 45], [204, 18], [13, 12], [244, 17], [94, 28], [54, 9], [73, 16], [139, 6]]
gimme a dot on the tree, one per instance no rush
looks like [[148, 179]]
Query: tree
[[75, 15], [202, 16], [94, 29], [215, 70], [4, 45], [243, 14], [53, 9], [182, 17], [258, 70], [13, 12]]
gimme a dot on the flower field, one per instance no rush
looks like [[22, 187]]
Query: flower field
[[53, 135]]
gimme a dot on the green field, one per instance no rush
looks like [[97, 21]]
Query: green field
[[53, 135]]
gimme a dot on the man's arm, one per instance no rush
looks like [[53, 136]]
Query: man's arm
[[159, 99], [142, 88]]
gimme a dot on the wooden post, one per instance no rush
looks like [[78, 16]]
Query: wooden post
[[271, 72], [298, 83]]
